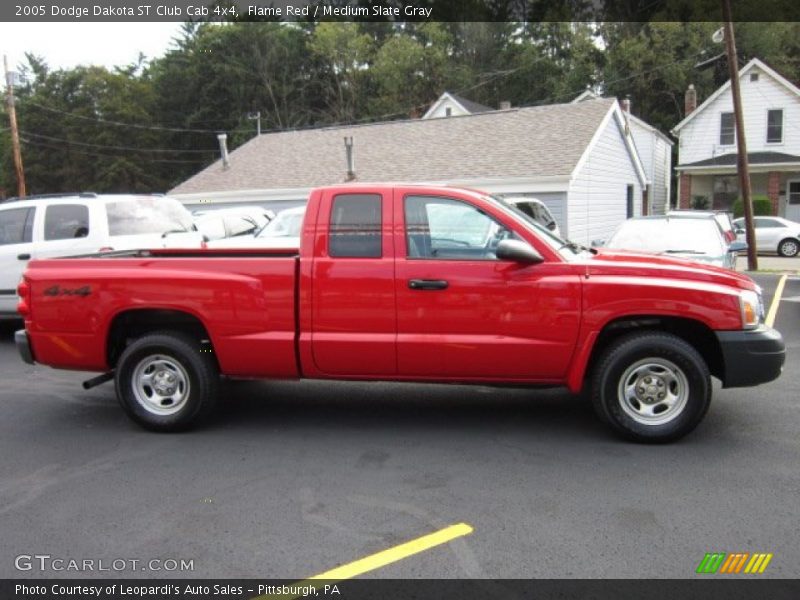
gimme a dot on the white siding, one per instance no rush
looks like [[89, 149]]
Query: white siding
[[699, 139], [656, 156], [596, 199]]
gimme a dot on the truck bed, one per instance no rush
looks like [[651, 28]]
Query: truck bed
[[245, 299]]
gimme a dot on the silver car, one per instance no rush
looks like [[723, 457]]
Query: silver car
[[700, 240]]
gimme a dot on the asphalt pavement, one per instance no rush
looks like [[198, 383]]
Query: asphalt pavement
[[295, 478]]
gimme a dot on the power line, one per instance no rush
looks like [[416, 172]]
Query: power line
[[129, 125], [130, 148], [150, 160]]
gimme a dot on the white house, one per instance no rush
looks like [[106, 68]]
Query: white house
[[578, 159], [707, 143], [655, 152], [452, 105]]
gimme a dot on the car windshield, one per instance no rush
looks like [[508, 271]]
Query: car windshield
[[679, 236], [285, 224], [135, 216], [565, 248]]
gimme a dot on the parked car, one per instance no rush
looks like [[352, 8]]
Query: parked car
[[64, 225], [723, 219], [283, 231], [231, 222], [697, 239], [535, 209], [378, 290], [773, 234]]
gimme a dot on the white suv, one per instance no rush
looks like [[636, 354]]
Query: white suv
[[65, 225]]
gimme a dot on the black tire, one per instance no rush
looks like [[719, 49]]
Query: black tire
[[635, 372], [165, 383], [789, 247]]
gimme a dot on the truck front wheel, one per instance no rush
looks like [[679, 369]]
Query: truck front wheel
[[651, 387], [165, 383]]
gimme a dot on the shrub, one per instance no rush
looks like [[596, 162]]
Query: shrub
[[700, 202], [762, 207]]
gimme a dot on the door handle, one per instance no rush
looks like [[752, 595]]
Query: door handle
[[23, 256], [427, 284]]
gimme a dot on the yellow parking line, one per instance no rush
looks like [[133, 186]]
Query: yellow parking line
[[776, 300], [383, 558]]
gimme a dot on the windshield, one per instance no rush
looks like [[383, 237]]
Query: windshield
[[135, 216], [689, 236], [563, 247], [285, 224]]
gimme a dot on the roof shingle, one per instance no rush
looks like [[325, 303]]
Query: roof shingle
[[522, 142]]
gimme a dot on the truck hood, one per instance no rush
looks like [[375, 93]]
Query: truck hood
[[645, 264]]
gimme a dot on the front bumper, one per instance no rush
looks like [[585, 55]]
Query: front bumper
[[24, 346], [751, 357]]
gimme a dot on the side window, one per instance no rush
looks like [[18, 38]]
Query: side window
[[66, 221], [766, 223], [441, 228], [727, 131], [355, 228], [16, 226], [775, 126]]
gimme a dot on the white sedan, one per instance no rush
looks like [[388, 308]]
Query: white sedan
[[773, 234]]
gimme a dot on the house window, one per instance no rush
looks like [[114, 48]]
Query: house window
[[355, 227], [629, 200], [775, 126], [753, 76], [727, 133], [794, 193], [448, 111]]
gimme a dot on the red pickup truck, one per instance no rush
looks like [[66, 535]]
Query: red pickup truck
[[411, 283]]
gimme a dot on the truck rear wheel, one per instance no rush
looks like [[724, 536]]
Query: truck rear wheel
[[651, 387], [165, 383]]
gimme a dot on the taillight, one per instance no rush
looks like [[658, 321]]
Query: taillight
[[24, 293]]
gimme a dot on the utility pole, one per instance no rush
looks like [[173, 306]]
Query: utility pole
[[741, 144], [12, 117]]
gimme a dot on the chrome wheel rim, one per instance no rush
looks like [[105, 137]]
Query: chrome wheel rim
[[653, 391], [160, 385], [789, 248]]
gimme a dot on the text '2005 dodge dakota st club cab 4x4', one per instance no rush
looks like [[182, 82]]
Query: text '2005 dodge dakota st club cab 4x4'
[[411, 283]]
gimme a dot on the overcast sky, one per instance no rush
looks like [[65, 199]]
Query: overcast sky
[[66, 45]]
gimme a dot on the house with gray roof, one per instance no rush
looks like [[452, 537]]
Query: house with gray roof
[[707, 147], [579, 159]]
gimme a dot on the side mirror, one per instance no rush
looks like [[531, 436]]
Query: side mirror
[[518, 251], [737, 247], [740, 232], [552, 225], [598, 243]]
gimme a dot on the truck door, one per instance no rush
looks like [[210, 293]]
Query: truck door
[[353, 297], [16, 246], [462, 313]]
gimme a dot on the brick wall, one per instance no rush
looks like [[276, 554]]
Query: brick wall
[[685, 200], [773, 190]]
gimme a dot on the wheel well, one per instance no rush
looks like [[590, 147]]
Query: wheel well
[[695, 333], [133, 324]]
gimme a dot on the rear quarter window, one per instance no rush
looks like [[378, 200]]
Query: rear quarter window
[[66, 221], [355, 227]]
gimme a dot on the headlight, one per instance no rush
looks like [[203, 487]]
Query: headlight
[[752, 309]]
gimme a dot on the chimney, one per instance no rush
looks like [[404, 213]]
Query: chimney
[[351, 163], [626, 104], [505, 105], [689, 100], [223, 149]]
